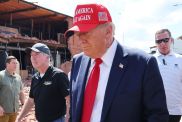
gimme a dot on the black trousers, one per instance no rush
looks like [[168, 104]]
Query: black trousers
[[174, 118]]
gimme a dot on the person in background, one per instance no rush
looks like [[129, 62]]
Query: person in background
[[49, 90], [170, 65], [109, 82], [11, 91], [74, 48]]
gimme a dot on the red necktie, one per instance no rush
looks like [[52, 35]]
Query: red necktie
[[90, 91]]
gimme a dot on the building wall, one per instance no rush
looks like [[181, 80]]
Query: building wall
[[177, 47]]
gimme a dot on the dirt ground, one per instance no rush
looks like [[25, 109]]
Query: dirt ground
[[31, 115]]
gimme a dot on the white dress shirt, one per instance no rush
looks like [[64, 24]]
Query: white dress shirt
[[105, 68], [170, 67]]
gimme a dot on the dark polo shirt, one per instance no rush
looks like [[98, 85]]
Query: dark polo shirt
[[49, 94]]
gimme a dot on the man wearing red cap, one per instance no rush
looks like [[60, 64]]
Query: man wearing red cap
[[111, 83]]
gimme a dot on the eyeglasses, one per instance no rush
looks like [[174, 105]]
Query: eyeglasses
[[165, 40]]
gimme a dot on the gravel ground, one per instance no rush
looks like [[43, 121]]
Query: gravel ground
[[31, 115]]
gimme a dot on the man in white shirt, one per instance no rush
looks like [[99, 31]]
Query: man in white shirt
[[170, 65]]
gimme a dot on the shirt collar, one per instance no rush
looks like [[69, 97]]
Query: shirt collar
[[6, 71], [107, 58], [171, 53], [48, 71]]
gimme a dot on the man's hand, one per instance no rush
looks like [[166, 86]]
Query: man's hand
[[1, 111]]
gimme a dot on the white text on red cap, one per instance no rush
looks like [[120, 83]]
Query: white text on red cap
[[82, 17]]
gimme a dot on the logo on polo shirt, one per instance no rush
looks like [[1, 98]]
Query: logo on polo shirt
[[176, 65], [47, 83]]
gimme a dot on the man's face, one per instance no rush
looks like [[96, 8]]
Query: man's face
[[163, 42], [12, 65], [74, 45], [38, 59], [95, 42]]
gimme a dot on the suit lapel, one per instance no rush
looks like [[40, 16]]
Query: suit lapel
[[83, 71], [117, 70], [81, 81]]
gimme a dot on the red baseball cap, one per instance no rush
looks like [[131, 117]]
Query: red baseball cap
[[87, 17]]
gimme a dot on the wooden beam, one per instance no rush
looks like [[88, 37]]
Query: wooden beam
[[32, 27], [36, 17], [11, 19], [17, 11], [3, 1]]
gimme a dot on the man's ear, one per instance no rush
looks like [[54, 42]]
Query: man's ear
[[109, 35], [109, 31]]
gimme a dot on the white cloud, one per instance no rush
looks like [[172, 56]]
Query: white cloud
[[141, 19], [174, 17]]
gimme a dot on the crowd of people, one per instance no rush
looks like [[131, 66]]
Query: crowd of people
[[107, 82]]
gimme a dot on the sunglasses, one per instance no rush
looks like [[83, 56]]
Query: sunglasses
[[165, 40]]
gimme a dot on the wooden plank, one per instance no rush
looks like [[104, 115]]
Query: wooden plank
[[3, 40], [18, 10]]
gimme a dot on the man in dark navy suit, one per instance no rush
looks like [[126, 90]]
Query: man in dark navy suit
[[111, 83]]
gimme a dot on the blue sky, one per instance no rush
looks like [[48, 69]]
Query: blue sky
[[136, 20]]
